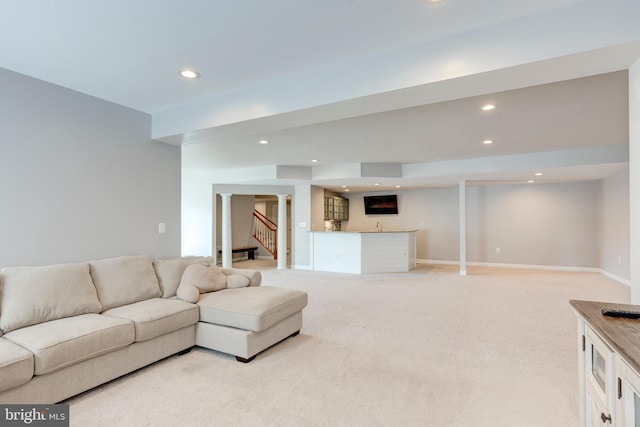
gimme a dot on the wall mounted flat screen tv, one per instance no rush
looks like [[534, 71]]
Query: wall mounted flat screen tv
[[381, 205]]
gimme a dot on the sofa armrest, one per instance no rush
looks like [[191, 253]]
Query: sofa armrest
[[254, 276]]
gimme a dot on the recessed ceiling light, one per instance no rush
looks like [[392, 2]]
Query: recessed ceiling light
[[397, 186], [346, 190], [487, 141], [376, 184], [263, 141], [488, 107], [188, 73], [433, 1], [343, 186], [538, 174], [314, 161], [531, 181]]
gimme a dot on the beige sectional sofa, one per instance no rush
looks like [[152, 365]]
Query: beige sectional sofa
[[67, 328]]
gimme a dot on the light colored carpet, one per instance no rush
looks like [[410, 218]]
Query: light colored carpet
[[425, 348]]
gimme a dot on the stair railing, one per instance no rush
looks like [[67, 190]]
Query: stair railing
[[265, 231]]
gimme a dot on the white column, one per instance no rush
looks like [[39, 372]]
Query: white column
[[226, 230], [282, 231], [463, 227], [634, 179]]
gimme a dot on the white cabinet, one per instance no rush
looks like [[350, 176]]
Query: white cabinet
[[600, 381], [629, 402], [336, 208], [608, 366], [364, 252]]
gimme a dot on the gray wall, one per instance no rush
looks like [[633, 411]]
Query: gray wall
[[80, 178], [301, 220], [317, 209], [615, 225], [580, 224], [540, 224]]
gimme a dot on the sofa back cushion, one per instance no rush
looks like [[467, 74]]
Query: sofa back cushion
[[169, 272], [124, 280], [33, 295]]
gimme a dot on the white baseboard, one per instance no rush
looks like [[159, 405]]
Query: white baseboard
[[616, 278], [436, 261], [505, 265], [531, 267]]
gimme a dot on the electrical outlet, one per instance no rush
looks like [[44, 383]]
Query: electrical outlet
[[162, 227], [498, 250]]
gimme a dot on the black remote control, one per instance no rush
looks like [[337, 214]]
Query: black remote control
[[611, 312]]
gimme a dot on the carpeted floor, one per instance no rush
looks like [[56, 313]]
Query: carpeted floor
[[425, 348]]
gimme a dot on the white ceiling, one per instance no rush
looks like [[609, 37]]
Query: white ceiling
[[129, 52]]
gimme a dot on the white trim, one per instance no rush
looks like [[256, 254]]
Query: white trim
[[537, 267], [616, 278], [531, 267], [302, 267], [523, 266], [436, 261]]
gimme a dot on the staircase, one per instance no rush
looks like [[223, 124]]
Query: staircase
[[265, 232]]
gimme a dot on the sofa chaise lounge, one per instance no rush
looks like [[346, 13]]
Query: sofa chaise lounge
[[67, 328]]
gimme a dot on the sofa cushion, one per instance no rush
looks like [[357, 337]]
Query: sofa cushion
[[33, 295], [205, 277], [156, 316], [124, 280], [169, 272], [252, 308], [63, 342], [16, 365]]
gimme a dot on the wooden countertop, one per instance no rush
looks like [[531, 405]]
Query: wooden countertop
[[621, 334]]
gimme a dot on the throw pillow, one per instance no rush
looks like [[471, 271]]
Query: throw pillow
[[237, 281], [205, 277], [188, 293], [169, 272]]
